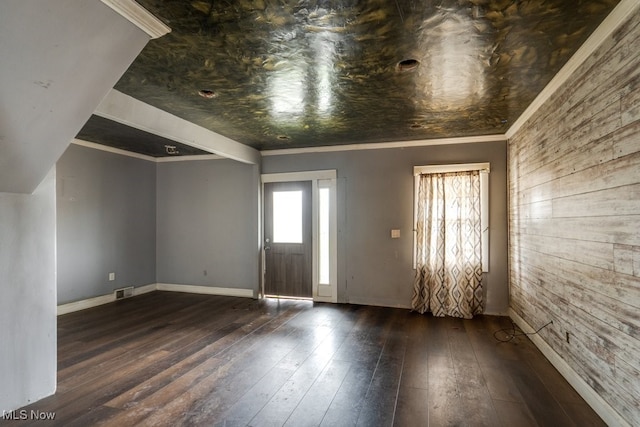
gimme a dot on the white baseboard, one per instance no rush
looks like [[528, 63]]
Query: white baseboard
[[144, 289], [207, 290], [602, 408], [106, 299], [85, 303]]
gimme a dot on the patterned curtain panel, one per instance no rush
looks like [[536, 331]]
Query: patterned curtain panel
[[448, 278]]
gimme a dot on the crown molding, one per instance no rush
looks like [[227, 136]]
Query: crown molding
[[139, 16], [290, 151], [385, 145], [611, 23]]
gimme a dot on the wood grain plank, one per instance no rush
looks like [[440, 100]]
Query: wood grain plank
[[514, 414], [577, 264], [616, 173], [313, 406], [299, 363], [623, 200], [350, 397], [626, 142], [444, 396], [412, 408], [607, 229]]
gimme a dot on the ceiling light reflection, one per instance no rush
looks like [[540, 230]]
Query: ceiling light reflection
[[286, 87], [324, 56], [299, 88], [456, 69]]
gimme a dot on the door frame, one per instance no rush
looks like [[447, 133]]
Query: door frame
[[319, 179]]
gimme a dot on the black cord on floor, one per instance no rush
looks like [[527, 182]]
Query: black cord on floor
[[515, 331]]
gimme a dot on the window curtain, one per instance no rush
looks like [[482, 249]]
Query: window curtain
[[448, 279]]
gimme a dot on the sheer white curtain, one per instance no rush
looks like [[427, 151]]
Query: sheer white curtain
[[448, 278]]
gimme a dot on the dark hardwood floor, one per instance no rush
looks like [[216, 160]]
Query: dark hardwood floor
[[181, 359]]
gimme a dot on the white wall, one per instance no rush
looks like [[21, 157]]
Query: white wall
[[59, 59], [28, 289]]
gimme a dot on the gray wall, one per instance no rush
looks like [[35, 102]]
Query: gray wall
[[207, 230], [375, 194], [206, 213], [106, 222], [28, 288]]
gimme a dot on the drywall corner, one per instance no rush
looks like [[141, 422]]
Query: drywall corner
[[28, 303]]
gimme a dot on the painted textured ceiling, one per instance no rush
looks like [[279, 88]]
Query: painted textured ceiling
[[280, 74], [117, 135]]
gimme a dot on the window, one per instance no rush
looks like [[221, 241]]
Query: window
[[449, 240], [287, 217], [484, 169]]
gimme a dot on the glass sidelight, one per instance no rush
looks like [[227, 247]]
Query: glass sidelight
[[323, 237]]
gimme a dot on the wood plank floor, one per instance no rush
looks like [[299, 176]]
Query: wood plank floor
[[168, 359]]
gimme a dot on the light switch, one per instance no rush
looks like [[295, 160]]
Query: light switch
[[395, 234]]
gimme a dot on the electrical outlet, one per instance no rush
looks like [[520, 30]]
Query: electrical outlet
[[112, 277]]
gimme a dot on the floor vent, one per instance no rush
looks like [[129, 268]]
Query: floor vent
[[124, 292]]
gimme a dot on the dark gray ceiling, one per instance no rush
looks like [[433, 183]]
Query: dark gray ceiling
[[280, 74], [116, 135]]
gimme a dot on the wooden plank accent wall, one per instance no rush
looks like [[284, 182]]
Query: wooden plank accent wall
[[574, 193]]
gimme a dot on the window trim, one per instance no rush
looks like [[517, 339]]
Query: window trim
[[485, 169]]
